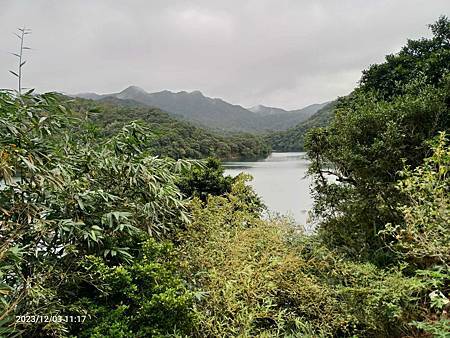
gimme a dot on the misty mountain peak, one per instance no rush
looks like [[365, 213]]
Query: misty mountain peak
[[131, 93], [197, 93], [264, 110], [214, 112], [256, 109], [134, 89]]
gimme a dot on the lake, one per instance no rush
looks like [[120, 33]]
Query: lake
[[280, 181]]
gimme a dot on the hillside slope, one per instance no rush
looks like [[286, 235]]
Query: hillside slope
[[170, 137], [293, 139], [289, 119]]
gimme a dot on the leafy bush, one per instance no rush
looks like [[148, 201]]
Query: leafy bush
[[206, 180], [65, 199], [261, 278], [375, 132], [142, 299], [424, 239]]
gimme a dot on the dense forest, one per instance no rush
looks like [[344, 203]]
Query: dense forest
[[293, 139], [108, 240], [167, 136]]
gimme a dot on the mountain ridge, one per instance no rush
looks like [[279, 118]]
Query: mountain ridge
[[214, 113], [292, 139]]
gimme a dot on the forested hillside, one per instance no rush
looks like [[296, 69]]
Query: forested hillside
[[100, 238], [293, 139], [169, 136], [289, 119]]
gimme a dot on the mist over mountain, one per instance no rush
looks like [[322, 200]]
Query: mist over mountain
[[89, 96], [214, 112], [264, 110]]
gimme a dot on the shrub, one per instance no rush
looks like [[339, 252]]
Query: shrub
[[65, 199], [143, 299], [264, 278], [424, 239], [207, 180]]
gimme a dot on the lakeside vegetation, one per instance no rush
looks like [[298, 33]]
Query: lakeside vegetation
[[148, 246], [168, 136]]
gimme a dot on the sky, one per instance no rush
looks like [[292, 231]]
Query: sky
[[281, 53]]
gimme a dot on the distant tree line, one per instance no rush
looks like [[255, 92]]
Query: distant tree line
[[169, 136]]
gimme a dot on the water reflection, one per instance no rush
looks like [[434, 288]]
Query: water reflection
[[281, 182]]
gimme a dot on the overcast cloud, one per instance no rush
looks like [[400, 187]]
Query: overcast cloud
[[284, 53]]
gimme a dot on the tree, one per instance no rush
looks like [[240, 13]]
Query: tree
[[64, 201], [378, 128], [206, 180], [425, 59]]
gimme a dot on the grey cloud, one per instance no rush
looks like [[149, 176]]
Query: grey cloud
[[282, 53]]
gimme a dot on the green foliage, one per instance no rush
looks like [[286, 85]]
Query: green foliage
[[257, 278], [143, 299], [439, 329], [424, 238], [357, 159], [93, 224], [293, 139], [168, 136], [207, 180], [379, 194], [64, 199], [425, 59]]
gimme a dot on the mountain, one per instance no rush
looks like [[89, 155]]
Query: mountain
[[214, 113], [264, 110], [289, 119], [196, 107], [168, 136], [310, 110], [89, 96], [293, 138]]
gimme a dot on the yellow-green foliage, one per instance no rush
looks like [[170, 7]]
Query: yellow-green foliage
[[424, 239], [264, 278]]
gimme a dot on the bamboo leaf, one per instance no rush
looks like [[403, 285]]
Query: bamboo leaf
[[93, 235]]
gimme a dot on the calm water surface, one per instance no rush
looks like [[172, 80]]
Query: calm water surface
[[281, 183]]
